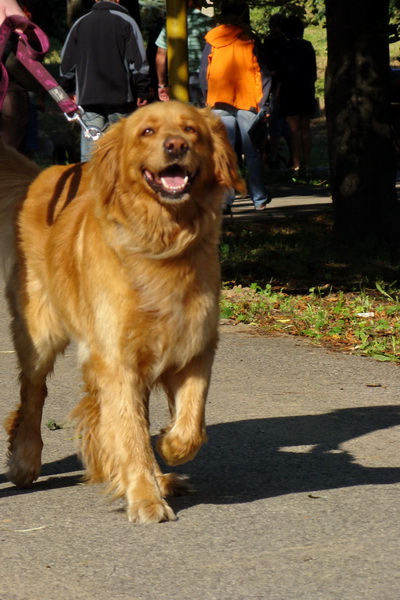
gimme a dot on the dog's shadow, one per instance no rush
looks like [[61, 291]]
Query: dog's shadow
[[255, 459]]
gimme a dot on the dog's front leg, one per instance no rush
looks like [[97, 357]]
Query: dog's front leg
[[115, 440], [187, 394]]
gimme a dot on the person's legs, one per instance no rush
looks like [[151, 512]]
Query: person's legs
[[306, 139], [195, 92], [229, 121], [278, 129], [101, 116], [91, 119], [295, 139], [258, 192], [114, 115], [275, 126]]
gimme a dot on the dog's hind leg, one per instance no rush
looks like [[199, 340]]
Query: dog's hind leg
[[187, 393], [112, 424], [36, 355], [25, 440]]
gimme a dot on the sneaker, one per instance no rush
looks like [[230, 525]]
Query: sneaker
[[264, 203]]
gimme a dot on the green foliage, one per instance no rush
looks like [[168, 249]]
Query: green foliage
[[394, 25], [360, 323], [285, 276], [53, 425], [312, 12]]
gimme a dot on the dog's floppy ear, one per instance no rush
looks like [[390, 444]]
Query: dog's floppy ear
[[224, 157], [106, 161]]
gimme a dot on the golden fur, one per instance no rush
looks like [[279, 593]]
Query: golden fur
[[121, 255]]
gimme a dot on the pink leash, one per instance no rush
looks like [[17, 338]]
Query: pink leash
[[31, 58]]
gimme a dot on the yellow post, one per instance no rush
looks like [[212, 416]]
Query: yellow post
[[178, 73]]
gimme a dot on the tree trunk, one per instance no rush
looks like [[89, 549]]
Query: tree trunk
[[361, 149]]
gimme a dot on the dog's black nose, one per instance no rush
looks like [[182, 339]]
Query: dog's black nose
[[175, 146]]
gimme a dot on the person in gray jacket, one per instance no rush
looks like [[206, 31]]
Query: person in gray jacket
[[104, 66]]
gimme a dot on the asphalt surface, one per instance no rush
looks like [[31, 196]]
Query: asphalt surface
[[299, 201], [297, 491]]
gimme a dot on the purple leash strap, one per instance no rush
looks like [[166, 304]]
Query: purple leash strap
[[31, 59]]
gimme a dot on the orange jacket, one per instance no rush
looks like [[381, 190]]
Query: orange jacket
[[233, 72]]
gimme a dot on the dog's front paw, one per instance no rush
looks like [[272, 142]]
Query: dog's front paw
[[175, 449], [150, 511]]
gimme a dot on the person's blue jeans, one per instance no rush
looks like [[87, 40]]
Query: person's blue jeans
[[100, 117], [242, 121]]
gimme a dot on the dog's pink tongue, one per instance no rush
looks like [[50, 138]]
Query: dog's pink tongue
[[173, 179], [174, 182]]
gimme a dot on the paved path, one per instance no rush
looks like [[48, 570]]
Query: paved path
[[297, 490], [287, 201]]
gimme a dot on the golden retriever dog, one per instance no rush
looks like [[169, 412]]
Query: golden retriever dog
[[119, 254]]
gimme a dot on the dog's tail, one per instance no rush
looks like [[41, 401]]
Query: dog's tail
[[16, 174]]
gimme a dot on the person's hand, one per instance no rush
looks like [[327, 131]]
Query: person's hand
[[141, 102], [163, 93], [9, 8]]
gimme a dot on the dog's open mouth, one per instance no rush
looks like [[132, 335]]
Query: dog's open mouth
[[171, 182]]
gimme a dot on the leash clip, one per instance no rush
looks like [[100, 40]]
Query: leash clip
[[90, 133]]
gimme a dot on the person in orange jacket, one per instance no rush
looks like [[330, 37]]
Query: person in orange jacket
[[236, 84]]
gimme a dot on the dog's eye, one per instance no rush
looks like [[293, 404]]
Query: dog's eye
[[148, 131], [189, 129]]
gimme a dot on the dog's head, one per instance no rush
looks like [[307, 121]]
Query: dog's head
[[171, 151]]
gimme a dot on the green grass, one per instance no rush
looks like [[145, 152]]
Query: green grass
[[53, 425], [362, 323], [286, 277]]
